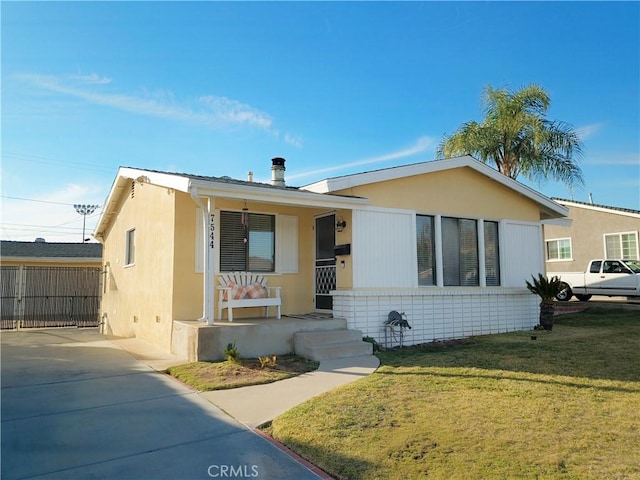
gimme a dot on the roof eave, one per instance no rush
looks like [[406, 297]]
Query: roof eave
[[266, 194]]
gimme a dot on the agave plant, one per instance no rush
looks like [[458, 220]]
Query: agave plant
[[546, 289]]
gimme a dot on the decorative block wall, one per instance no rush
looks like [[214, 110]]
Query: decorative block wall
[[437, 314]]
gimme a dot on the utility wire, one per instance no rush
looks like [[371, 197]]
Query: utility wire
[[39, 201]]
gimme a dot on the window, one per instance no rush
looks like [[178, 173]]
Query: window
[[460, 260], [621, 245], [130, 247], [460, 252], [491, 254], [248, 246], [426, 250], [595, 266], [559, 249]]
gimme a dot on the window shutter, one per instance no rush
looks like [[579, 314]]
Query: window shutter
[[287, 244]]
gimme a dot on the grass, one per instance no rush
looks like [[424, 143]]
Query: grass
[[563, 406], [206, 376]]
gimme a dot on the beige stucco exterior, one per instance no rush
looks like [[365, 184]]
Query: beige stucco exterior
[[588, 226], [460, 192], [166, 284], [142, 300]]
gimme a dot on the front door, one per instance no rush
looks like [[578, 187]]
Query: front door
[[325, 262]]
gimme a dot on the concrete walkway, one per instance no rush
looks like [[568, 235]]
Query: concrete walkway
[[256, 405], [259, 404]]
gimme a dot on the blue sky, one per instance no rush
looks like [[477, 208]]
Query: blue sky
[[219, 88]]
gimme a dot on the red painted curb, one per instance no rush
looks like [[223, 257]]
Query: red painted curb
[[294, 455]]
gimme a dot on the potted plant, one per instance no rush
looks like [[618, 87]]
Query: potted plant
[[546, 289]]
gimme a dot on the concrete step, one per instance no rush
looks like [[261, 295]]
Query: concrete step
[[331, 344]]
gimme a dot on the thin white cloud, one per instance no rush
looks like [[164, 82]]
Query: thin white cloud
[[92, 78], [630, 159], [207, 110], [422, 144], [587, 131], [294, 140]]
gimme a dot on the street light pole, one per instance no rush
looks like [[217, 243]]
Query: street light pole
[[85, 210]]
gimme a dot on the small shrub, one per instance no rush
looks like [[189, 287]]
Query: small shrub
[[231, 352], [371, 340], [268, 361]]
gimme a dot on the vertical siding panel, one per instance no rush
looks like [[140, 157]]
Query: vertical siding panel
[[384, 251], [521, 252]]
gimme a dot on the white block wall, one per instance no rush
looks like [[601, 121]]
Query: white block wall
[[438, 314]]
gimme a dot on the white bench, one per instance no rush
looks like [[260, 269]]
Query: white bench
[[246, 289]]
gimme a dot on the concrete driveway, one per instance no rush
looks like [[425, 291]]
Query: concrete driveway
[[75, 406]]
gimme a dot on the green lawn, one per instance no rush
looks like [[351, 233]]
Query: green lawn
[[564, 406]]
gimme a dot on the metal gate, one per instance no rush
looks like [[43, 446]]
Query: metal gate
[[49, 296]]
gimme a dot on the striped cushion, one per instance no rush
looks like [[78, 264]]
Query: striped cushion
[[237, 291], [256, 290]]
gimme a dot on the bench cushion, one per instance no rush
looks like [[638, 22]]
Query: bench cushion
[[256, 290], [237, 292]]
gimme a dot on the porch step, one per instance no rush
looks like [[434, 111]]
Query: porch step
[[331, 344]]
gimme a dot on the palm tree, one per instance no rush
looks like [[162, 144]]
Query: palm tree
[[518, 139]]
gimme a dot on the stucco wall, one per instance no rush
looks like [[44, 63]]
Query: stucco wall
[[460, 192], [137, 300], [587, 232]]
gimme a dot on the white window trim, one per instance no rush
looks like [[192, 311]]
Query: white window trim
[[282, 265], [552, 260], [619, 234], [439, 260], [127, 247]]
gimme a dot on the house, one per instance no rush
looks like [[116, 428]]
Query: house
[[448, 243], [590, 231], [47, 284]]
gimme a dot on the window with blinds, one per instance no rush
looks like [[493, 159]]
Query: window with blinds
[[249, 246], [426, 250], [491, 254], [460, 254]]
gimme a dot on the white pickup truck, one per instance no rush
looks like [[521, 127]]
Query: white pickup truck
[[612, 278]]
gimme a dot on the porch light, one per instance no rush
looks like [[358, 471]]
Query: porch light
[[341, 224]]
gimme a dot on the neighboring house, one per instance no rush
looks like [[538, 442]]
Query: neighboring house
[[590, 231], [50, 284], [449, 243]]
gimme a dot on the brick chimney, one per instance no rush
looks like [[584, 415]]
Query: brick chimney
[[277, 171]]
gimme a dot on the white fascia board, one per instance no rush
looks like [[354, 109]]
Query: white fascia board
[[341, 183], [122, 182], [275, 196], [598, 208], [167, 180], [558, 222]]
